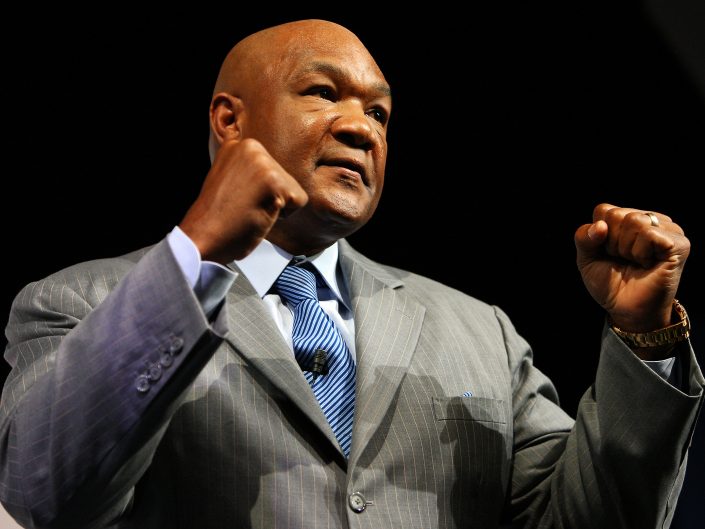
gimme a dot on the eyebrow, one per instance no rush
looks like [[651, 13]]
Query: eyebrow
[[337, 71]]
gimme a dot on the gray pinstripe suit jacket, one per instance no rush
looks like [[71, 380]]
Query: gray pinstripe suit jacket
[[230, 435]]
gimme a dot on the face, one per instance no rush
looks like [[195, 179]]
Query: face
[[322, 113]]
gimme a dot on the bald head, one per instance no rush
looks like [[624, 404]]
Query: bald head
[[264, 58], [261, 53]]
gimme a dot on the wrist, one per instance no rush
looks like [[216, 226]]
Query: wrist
[[657, 344]]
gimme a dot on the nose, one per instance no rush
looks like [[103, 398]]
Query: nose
[[353, 127]]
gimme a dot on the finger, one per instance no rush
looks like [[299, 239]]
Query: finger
[[649, 248], [292, 204], [296, 196], [624, 235], [612, 214], [290, 196], [600, 211], [635, 239], [625, 224], [656, 220], [283, 201], [589, 239]]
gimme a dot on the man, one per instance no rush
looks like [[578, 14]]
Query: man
[[162, 388]]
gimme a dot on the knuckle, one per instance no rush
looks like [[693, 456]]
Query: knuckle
[[636, 217], [602, 208]]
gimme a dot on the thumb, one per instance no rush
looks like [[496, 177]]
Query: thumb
[[589, 239]]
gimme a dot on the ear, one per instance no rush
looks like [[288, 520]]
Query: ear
[[226, 116]]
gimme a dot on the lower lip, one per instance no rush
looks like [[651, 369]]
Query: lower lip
[[344, 171]]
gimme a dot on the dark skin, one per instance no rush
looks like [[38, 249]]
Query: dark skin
[[298, 141], [306, 135]]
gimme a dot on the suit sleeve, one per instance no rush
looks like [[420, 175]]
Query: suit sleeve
[[96, 374], [622, 462]]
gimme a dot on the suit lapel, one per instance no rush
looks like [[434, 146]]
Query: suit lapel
[[254, 335], [387, 327]]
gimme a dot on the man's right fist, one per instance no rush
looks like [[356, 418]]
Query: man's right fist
[[244, 193]]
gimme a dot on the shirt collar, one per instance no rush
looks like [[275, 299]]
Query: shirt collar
[[267, 261]]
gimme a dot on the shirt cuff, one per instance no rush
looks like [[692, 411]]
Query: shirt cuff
[[662, 368], [210, 281]]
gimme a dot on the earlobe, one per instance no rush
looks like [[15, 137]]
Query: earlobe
[[226, 117]]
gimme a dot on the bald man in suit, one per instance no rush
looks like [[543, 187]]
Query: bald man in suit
[[160, 388]]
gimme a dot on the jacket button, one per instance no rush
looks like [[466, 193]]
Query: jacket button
[[357, 502], [166, 359], [142, 384], [176, 345], [154, 372]]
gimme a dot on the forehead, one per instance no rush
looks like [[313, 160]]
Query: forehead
[[341, 58]]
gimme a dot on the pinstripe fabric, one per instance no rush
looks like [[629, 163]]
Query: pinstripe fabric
[[231, 436], [315, 331]]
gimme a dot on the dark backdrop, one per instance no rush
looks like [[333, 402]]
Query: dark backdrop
[[510, 123]]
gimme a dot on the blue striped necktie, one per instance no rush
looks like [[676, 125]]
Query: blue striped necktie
[[334, 383]]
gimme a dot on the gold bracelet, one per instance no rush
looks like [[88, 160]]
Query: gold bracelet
[[670, 335]]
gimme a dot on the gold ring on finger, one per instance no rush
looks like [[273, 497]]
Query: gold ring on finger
[[653, 218]]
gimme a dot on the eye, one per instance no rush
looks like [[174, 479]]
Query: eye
[[324, 92], [378, 114]]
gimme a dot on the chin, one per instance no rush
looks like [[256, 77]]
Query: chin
[[347, 210]]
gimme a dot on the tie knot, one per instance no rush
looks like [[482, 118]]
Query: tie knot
[[296, 284]]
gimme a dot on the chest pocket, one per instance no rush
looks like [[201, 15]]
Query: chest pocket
[[475, 436]]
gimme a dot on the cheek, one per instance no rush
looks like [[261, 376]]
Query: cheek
[[298, 138], [284, 130], [381, 165], [380, 161]]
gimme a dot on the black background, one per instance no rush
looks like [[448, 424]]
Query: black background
[[509, 124]]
